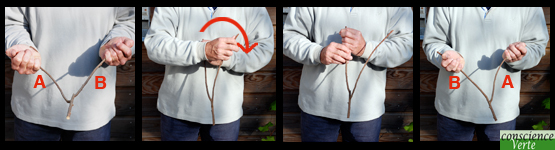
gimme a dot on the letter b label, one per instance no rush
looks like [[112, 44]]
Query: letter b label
[[456, 82], [97, 82]]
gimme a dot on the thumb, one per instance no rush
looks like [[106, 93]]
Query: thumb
[[521, 45], [128, 42]]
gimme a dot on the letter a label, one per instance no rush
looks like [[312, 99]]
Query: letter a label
[[39, 78], [507, 81]]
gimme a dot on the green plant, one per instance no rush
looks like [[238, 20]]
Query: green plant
[[409, 128], [268, 125], [546, 104], [539, 126]]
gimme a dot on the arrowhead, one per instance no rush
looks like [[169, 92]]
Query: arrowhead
[[248, 49]]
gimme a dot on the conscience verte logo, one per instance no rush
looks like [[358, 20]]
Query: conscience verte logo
[[527, 139]]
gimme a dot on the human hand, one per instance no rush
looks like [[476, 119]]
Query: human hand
[[117, 51], [353, 39], [335, 53], [515, 52], [221, 48], [25, 59], [213, 62], [452, 61]]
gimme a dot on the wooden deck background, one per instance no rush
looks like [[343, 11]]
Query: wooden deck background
[[259, 93], [534, 89], [398, 102]]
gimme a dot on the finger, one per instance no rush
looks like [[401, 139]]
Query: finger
[[29, 69], [513, 56], [36, 66], [122, 59], [108, 57], [344, 49], [26, 59], [444, 56], [228, 40], [446, 63], [9, 52], [338, 59], [234, 48], [507, 55], [347, 41], [343, 32], [15, 52], [454, 64], [115, 60], [522, 47], [515, 51], [126, 51], [128, 42]]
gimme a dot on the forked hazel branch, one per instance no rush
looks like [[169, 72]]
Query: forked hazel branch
[[492, 91], [364, 66], [70, 101]]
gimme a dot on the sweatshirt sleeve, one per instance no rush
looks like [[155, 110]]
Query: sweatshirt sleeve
[[163, 47], [535, 35], [397, 48], [16, 28], [296, 37], [435, 37], [259, 30], [124, 25]]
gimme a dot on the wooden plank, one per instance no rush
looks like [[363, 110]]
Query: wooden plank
[[253, 104], [254, 82]]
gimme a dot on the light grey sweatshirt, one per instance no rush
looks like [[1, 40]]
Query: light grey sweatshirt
[[174, 40], [481, 37], [68, 40], [323, 91]]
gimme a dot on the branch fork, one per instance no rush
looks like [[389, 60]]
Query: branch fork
[[351, 93]]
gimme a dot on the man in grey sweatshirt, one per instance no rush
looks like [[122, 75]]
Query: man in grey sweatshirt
[[476, 40], [323, 40], [68, 43], [192, 58]]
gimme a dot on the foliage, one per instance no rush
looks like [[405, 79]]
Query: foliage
[[409, 128], [546, 102], [269, 138], [268, 125], [540, 125], [265, 127]]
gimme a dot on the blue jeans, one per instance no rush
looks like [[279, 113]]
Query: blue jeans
[[455, 130], [26, 131], [181, 130], [320, 129]]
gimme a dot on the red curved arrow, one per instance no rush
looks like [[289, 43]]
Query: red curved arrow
[[227, 19]]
